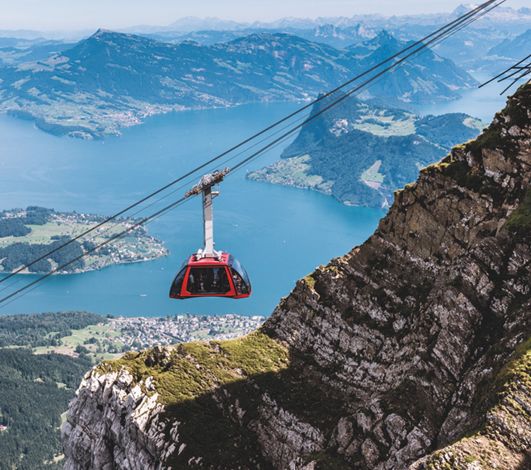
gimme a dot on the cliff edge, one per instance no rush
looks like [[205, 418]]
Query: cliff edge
[[411, 351]]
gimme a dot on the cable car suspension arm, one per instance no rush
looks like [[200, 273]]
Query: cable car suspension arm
[[204, 187]]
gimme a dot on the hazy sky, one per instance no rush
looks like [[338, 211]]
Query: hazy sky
[[90, 14]]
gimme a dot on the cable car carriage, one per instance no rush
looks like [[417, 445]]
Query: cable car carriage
[[210, 273]]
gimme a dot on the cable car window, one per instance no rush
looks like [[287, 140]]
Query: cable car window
[[239, 283], [178, 282], [240, 270], [212, 280]]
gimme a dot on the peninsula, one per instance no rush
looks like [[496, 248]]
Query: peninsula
[[29, 234]]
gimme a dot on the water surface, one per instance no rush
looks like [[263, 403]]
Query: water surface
[[279, 234]]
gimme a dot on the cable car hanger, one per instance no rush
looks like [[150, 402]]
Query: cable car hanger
[[204, 187]]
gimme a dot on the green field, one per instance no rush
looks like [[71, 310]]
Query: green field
[[107, 339], [386, 125], [372, 173], [43, 234]]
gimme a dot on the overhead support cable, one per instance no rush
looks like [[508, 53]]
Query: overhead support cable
[[517, 71]]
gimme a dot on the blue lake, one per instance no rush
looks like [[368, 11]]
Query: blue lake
[[280, 234], [482, 103]]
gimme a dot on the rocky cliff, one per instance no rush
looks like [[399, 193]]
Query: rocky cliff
[[411, 351]]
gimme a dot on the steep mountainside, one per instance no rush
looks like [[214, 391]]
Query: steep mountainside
[[411, 351], [516, 48], [112, 80], [394, 89], [503, 55], [361, 153]]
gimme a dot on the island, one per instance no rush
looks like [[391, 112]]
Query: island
[[29, 234]]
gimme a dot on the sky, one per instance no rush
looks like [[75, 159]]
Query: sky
[[45, 15]]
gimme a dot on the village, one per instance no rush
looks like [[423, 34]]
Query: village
[[139, 333]]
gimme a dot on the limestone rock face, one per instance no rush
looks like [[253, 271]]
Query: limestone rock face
[[396, 351], [115, 425]]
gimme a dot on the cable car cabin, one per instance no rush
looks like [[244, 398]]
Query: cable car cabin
[[221, 276]]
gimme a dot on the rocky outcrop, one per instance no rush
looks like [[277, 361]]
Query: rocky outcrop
[[111, 417], [411, 351]]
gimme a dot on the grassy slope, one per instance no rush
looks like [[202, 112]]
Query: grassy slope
[[80, 337], [200, 367]]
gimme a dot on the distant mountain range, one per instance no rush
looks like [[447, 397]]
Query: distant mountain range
[[330, 34], [503, 19], [361, 154], [113, 80], [503, 16], [468, 48]]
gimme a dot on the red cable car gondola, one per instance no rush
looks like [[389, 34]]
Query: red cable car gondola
[[210, 273]]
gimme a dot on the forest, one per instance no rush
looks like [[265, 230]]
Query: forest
[[13, 228], [17, 226], [35, 389], [43, 328], [20, 254]]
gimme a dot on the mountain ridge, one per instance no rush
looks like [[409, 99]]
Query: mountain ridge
[[114, 80], [187, 24], [513, 48]]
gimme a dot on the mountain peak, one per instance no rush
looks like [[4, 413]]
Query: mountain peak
[[383, 42], [101, 32], [268, 38], [385, 35], [461, 10], [384, 38], [104, 37]]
